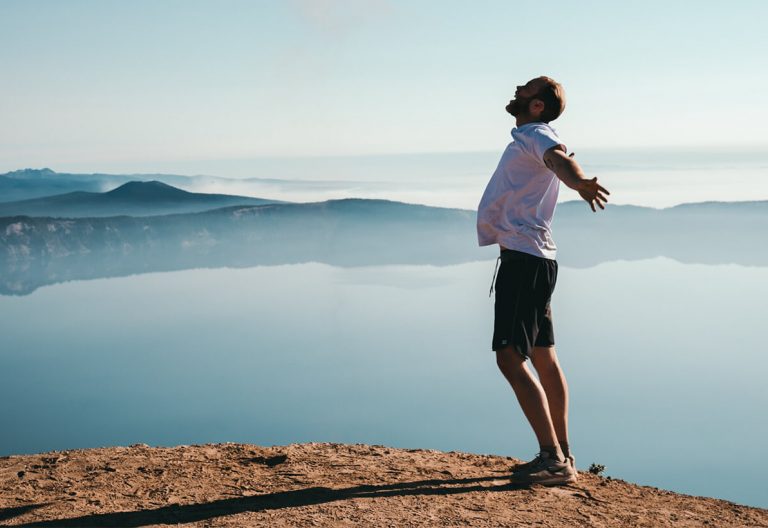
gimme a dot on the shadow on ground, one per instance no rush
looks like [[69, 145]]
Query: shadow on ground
[[177, 514]]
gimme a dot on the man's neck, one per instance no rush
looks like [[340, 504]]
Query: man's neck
[[524, 120]]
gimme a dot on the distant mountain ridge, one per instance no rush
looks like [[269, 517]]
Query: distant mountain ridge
[[25, 184], [356, 232], [46, 173], [30, 173], [135, 198], [706, 233], [39, 250]]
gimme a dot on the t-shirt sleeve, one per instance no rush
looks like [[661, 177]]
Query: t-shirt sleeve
[[543, 139]]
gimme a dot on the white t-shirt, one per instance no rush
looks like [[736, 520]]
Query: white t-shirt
[[518, 204]]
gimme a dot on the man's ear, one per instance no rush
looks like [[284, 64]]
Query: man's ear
[[536, 107]]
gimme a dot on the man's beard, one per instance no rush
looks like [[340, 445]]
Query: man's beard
[[519, 106]]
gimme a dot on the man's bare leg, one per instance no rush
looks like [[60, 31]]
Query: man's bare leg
[[553, 382], [530, 395]]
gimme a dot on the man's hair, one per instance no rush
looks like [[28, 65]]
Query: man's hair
[[553, 97]]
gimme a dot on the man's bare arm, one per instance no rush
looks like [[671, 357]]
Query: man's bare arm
[[570, 173]]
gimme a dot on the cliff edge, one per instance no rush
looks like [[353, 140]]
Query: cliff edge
[[316, 484]]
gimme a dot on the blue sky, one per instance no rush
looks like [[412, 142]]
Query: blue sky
[[109, 81]]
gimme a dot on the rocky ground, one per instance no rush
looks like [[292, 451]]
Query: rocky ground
[[325, 485]]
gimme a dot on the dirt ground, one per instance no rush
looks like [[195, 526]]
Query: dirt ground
[[325, 485]]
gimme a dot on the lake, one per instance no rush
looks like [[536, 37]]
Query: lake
[[665, 363]]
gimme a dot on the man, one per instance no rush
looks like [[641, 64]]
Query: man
[[516, 212]]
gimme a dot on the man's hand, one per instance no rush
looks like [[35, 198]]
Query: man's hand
[[569, 172], [593, 193]]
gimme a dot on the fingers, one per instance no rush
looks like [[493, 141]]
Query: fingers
[[598, 198], [598, 202], [596, 192], [599, 187], [593, 193]]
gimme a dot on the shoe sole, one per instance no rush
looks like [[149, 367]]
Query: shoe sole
[[569, 480], [523, 471], [552, 481]]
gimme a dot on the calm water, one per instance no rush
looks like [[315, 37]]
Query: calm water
[[666, 364]]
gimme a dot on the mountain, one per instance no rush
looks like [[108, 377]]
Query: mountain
[[134, 198], [37, 183], [705, 233], [352, 232], [25, 184], [35, 251]]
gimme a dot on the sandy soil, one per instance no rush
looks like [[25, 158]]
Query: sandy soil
[[325, 485]]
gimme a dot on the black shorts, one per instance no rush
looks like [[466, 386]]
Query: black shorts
[[523, 315]]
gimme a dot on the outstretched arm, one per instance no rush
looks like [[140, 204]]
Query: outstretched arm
[[570, 173]]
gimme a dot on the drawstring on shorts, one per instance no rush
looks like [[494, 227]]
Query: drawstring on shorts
[[493, 280]]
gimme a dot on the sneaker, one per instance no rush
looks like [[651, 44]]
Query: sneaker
[[546, 471], [525, 466], [572, 462]]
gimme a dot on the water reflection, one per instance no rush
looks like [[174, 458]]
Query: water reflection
[[397, 355]]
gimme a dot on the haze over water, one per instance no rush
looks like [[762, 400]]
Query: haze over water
[[649, 177]]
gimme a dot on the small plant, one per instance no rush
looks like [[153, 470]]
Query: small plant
[[597, 469]]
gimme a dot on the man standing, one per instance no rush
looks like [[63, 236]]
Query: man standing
[[516, 212]]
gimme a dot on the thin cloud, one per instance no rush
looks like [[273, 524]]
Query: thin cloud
[[340, 17]]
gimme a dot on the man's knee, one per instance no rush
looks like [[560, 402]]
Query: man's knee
[[544, 359], [510, 361]]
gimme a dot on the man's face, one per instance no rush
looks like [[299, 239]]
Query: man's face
[[520, 105]]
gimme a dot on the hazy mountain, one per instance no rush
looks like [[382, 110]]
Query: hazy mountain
[[707, 233], [36, 183], [133, 198], [38, 251], [25, 184]]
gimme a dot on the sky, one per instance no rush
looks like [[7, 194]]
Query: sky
[[99, 82]]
